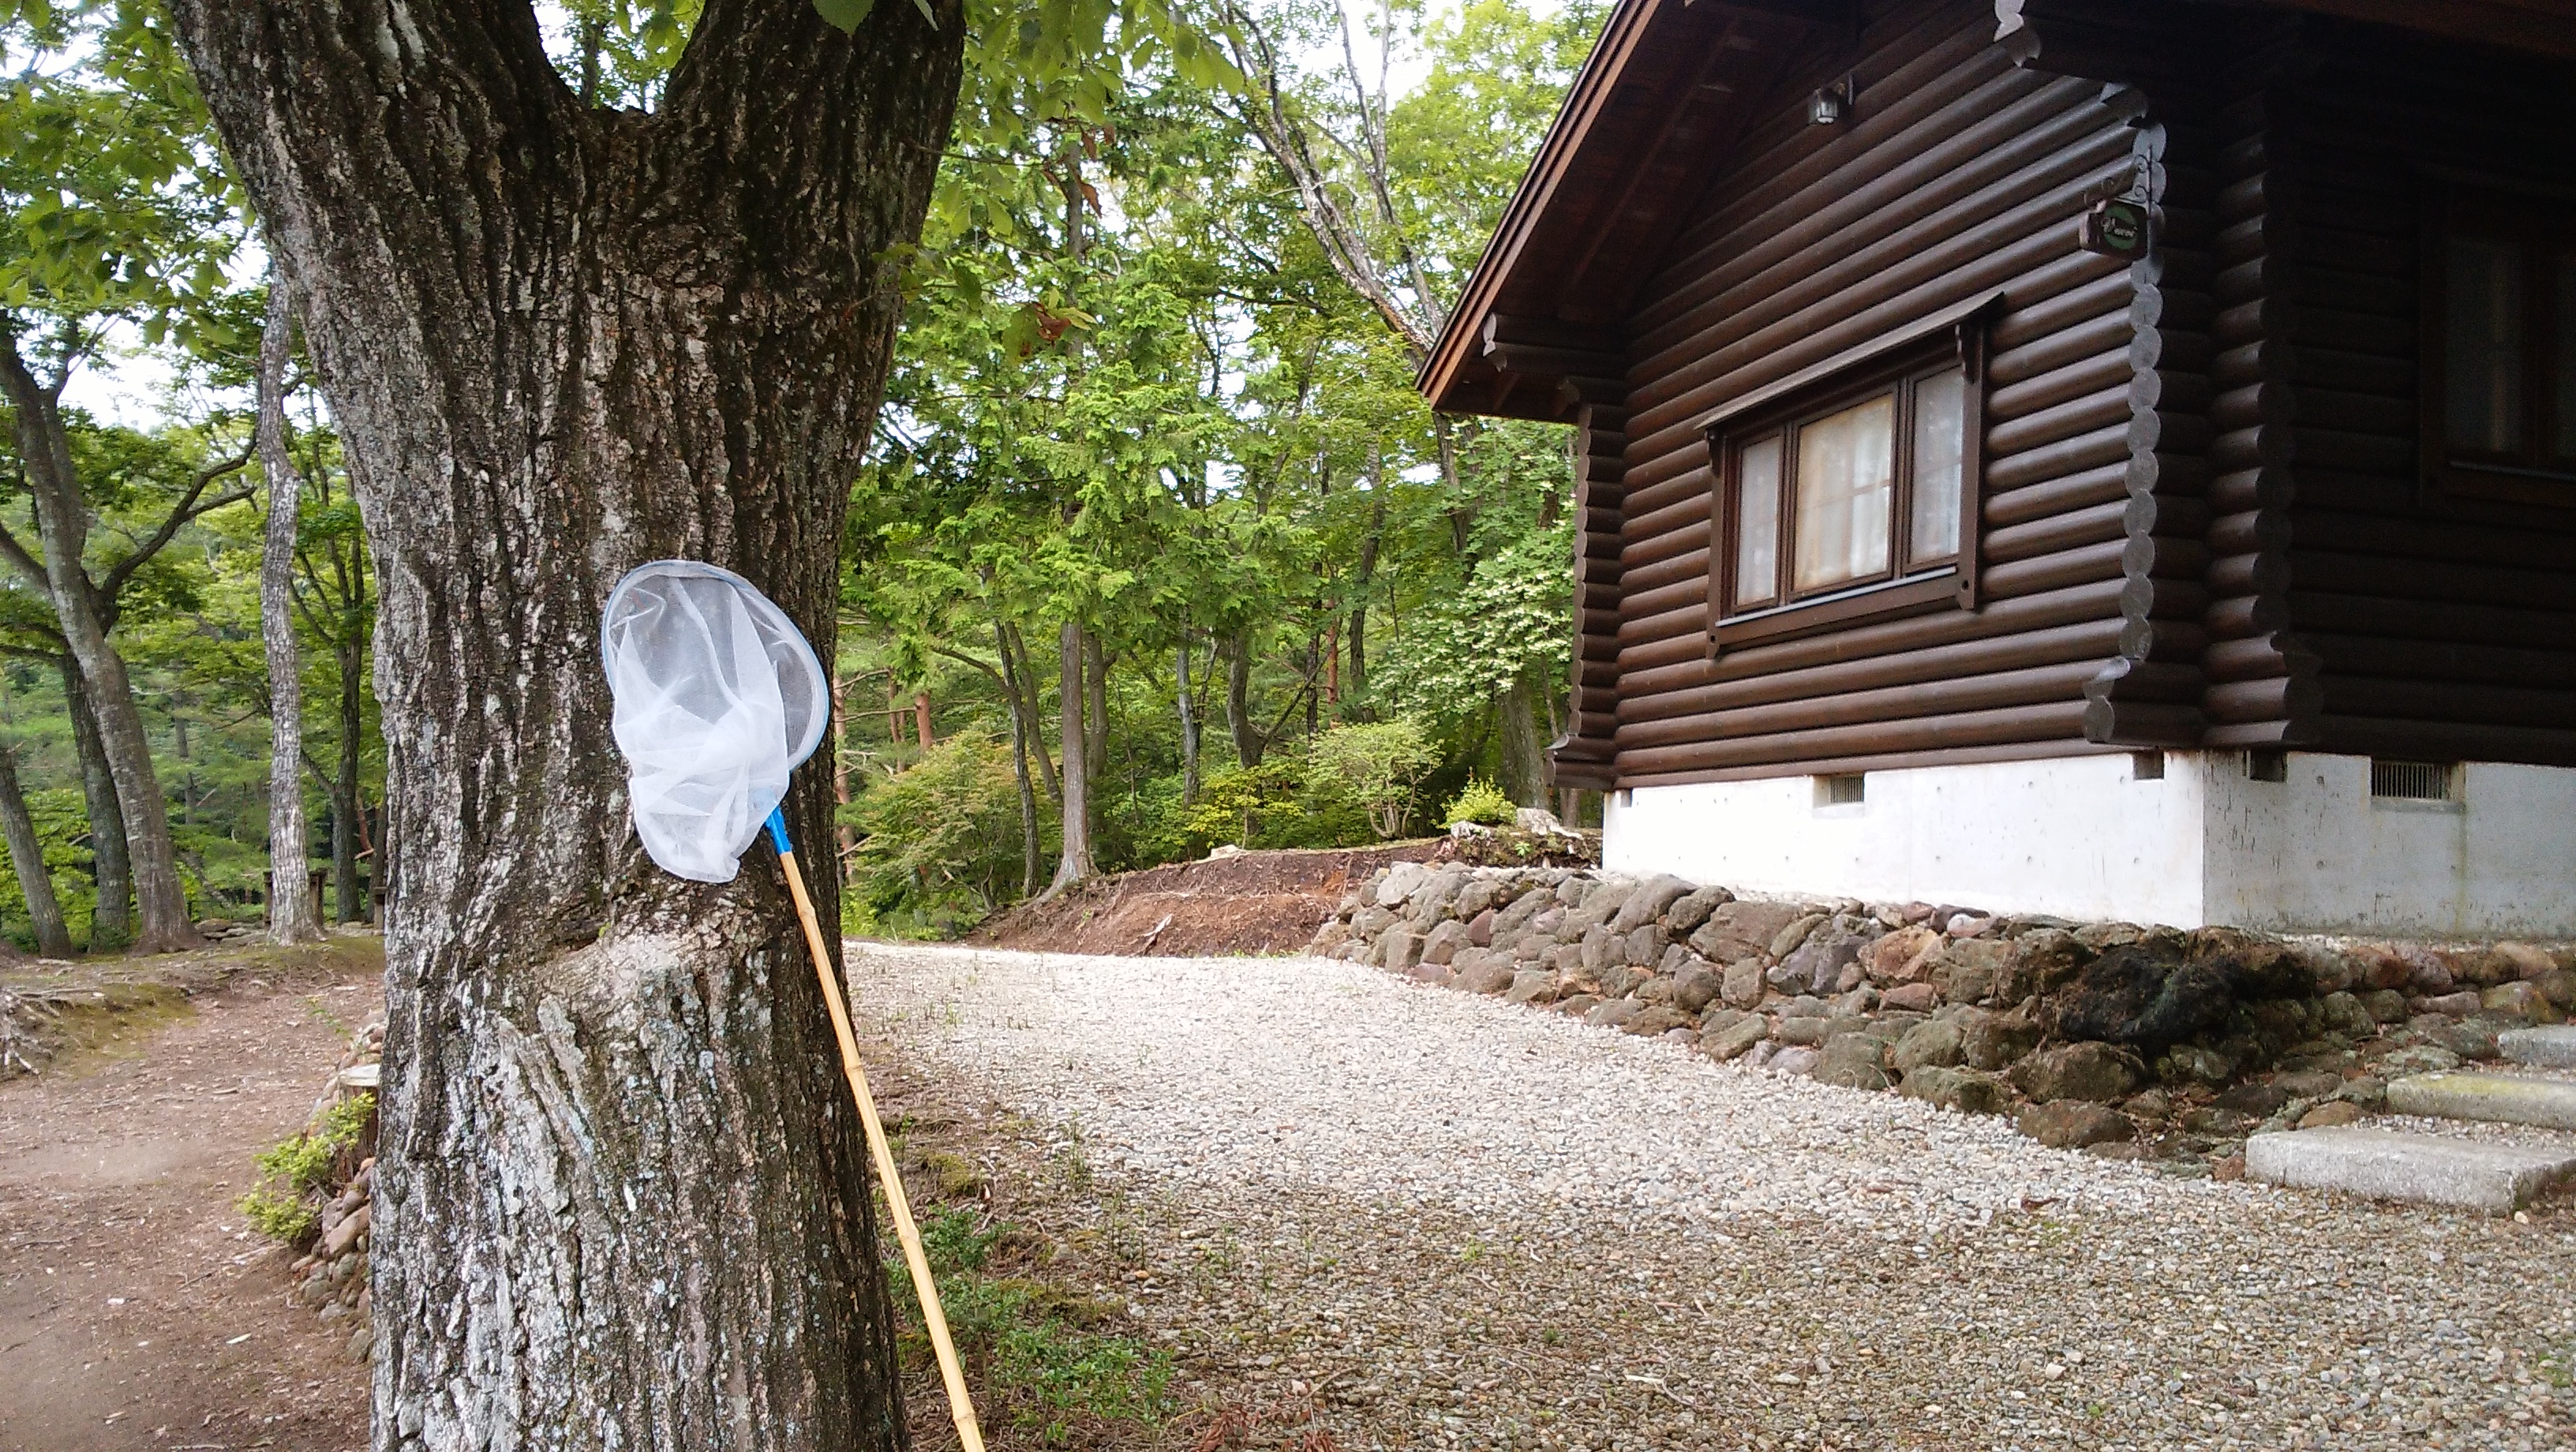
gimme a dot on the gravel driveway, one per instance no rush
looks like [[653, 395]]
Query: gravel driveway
[[1460, 1223]]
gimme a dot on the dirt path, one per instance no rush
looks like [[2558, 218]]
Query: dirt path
[[136, 1308]]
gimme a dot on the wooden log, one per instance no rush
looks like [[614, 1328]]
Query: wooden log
[[2106, 369], [2446, 741], [2420, 700], [2055, 720], [2090, 641], [2074, 345], [2032, 686], [2054, 571], [1649, 669], [2277, 698], [2057, 460], [2323, 612], [2445, 660], [2436, 582], [2142, 723], [2237, 616], [2077, 527], [2249, 574]]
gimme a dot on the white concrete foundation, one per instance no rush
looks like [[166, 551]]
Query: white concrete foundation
[[2086, 837]]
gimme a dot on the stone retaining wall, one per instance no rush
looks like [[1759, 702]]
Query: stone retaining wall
[[2145, 1043]]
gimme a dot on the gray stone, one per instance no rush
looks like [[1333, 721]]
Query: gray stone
[[1676, 957], [2424, 1169], [1480, 929], [2499, 1098], [1656, 1019], [1602, 950], [2096, 1072], [2386, 1005], [1642, 946], [2254, 1101], [1430, 902], [1695, 986], [1741, 930], [2521, 1001], [1531, 985], [1808, 1031], [1743, 983], [2418, 1059], [1689, 911], [1646, 902], [1788, 939], [1601, 905], [2347, 1015], [2193, 1064], [1930, 1045], [1399, 883], [1854, 1061], [1806, 1006], [2542, 1048], [1613, 1012], [1964, 1090], [1479, 894], [1992, 1040], [1971, 970], [1620, 981], [1368, 922], [1729, 1040], [2454, 1005], [1793, 1061], [1442, 943], [1819, 964], [1523, 910], [1487, 976], [1399, 950], [2309, 1084], [2074, 1123]]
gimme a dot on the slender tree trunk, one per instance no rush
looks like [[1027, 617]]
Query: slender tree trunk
[[1363, 572], [1189, 727], [1095, 713], [921, 720], [1248, 740], [1073, 864], [63, 524], [844, 836], [1020, 732], [291, 918], [111, 923], [27, 859], [1524, 749], [1028, 686], [348, 812], [621, 1195]]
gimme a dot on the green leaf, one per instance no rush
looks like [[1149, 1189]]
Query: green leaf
[[845, 15]]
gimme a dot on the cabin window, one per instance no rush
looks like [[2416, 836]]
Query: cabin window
[[1848, 499], [2500, 350]]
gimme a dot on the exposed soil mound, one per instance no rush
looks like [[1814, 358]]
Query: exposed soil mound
[[1246, 902]]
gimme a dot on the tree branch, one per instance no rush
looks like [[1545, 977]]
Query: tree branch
[[185, 510]]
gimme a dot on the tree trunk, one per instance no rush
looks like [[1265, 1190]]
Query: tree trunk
[[1189, 728], [111, 922], [1021, 729], [1028, 687], [1073, 864], [348, 812], [621, 1195], [1524, 748], [1248, 741], [62, 521], [921, 720], [291, 918], [1095, 712], [27, 859]]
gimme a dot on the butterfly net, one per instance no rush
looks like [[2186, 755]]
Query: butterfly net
[[718, 698]]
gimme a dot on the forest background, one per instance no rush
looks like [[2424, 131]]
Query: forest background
[[1156, 540]]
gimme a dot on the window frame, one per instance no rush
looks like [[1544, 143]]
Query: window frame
[[2545, 226], [1955, 338]]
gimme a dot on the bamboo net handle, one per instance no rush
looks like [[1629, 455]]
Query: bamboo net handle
[[960, 1406]]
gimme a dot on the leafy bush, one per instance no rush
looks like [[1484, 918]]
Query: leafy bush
[[1377, 766], [1482, 803], [284, 1201], [941, 847]]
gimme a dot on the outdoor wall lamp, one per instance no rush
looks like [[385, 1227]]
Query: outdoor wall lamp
[[1831, 105]]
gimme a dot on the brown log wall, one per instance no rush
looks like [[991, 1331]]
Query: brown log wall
[[1961, 175], [2443, 627]]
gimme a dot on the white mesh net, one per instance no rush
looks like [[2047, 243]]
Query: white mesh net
[[718, 699]]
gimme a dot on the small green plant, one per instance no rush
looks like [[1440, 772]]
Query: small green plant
[[1378, 766], [280, 1204], [1482, 803], [1045, 1368]]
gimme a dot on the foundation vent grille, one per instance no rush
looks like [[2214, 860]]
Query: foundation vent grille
[[1841, 791], [2414, 781]]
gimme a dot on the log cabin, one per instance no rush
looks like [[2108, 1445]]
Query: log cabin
[[2103, 458]]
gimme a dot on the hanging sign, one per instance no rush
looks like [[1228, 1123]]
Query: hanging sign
[[2114, 228]]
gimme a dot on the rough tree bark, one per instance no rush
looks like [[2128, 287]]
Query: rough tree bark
[[1074, 863], [291, 918], [622, 1197], [83, 611], [27, 860], [111, 923]]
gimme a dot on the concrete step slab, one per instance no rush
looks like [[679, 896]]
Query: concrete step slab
[[2497, 1098], [2541, 1048], [2425, 1169]]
